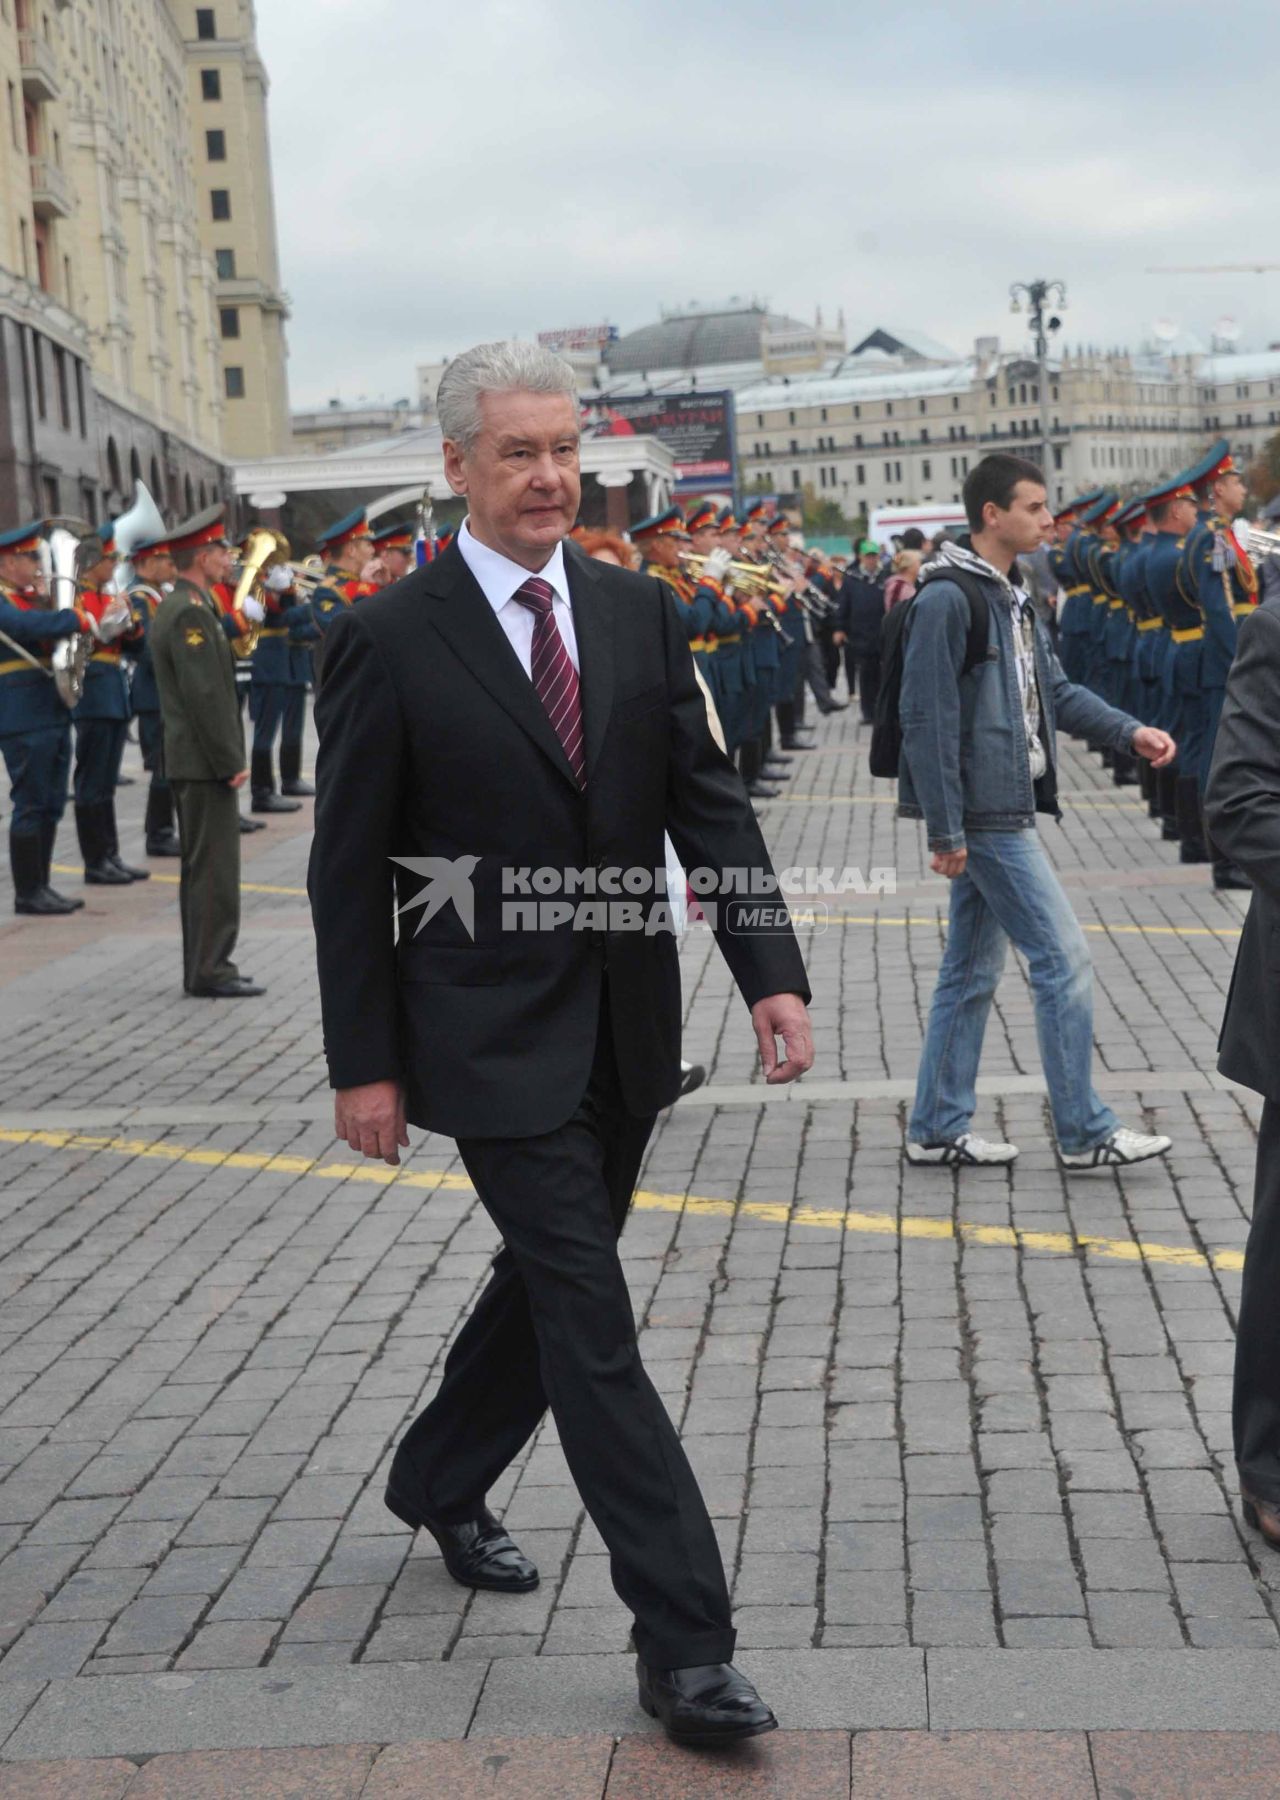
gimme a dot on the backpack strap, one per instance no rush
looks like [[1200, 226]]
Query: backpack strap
[[975, 648]]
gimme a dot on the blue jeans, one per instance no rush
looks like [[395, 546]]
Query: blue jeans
[[1009, 890]]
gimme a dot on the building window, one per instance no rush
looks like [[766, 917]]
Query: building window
[[924, 406], [924, 434], [857, 440], [206, 24], [215, 144], [824, 415], [37, 358], [926, 470], [64, 391], [795, 480], [229, 321], [224, 262], [210, 84], [888, 471], [860, 474], [233, 382], [888, 410], [220, 200], [857, 412], [84, 422], [822, 478]]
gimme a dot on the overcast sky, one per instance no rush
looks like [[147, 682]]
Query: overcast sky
[[451, 173]]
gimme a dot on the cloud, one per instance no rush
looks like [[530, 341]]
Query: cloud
[[448, 174]]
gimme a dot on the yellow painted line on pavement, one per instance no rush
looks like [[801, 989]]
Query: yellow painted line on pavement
[[246, 887], [871, 1224]]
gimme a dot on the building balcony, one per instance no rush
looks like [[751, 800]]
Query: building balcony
[[39, 67], [51, 196]]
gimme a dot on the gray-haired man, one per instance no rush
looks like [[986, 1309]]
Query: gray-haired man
[[517, 703]]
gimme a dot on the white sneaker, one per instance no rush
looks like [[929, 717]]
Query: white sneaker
[[967, 1148], [1123, 1146]]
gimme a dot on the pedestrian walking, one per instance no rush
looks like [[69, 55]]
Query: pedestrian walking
[[978, 762]]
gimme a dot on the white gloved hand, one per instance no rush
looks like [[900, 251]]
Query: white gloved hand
[[117, 618], [279, 578], [718, 564], [253, 609]]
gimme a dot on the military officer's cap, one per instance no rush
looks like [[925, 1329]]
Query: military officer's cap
[[1074, 507], [1215, 462], [725, 519], [395, 537], [756, 514], [23, 540], [1102, 512], [1174, 487], [664, 524], [344, 530], [160, 546], [1130, 514], [203, 528], [779, 526], [445, 536], [703, 517]]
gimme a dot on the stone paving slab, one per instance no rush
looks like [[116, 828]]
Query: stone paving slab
[[1099, 1690], [130, 1715]]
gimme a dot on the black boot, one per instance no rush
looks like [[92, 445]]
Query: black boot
[[1167, 792], [291, 781], [162, 839], [112, 840], [30, 895], [99, 870], [262, 787], [1193, 844], [1124, 771], [48, 833], [247, 825]]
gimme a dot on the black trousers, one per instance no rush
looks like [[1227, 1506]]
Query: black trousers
[[209, 891], [554, 1327], [1256, 1399], [863, 672]]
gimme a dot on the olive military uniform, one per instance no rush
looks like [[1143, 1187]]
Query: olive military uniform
[[203, 748]]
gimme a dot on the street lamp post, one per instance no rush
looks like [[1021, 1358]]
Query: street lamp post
[[1038, 295]]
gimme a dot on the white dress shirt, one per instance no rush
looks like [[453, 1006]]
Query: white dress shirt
[[499, 579]]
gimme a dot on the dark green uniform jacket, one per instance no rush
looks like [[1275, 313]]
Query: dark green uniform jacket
[[196, 674]]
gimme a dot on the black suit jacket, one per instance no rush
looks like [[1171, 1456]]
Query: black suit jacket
[[1242, 804], [433, 743]]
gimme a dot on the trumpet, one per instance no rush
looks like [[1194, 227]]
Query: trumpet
[[758, 578], [1263, 543]]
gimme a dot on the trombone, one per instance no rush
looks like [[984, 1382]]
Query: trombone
[[758, 578]]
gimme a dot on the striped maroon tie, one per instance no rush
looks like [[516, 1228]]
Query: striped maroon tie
[[553, 673]]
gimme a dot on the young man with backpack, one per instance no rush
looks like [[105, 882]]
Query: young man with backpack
[[979, 695]]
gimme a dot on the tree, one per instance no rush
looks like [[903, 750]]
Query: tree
[[823, 517]]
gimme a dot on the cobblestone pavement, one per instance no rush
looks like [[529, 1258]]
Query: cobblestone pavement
[[966, 1438]]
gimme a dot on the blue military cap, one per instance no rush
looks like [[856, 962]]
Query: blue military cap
[[664, 524], [703, 517], [23, 540], [1217, 461], [1102, 512], [399, 536], [351, 525], [1173, 487], [1131, 513], [1074, 507]]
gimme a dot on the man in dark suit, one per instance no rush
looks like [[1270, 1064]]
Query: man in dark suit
[[514, 724], [1242, 805]]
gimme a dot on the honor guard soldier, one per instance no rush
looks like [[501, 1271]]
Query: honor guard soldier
[[1218, 571], [1075, 609], [718, 657], [662, 540], [1120, 631], [35, 725], [1139, 684], [795, 624], [204, 754], [1171, 507], [236, 626], [278, 694], [1097, 540], [348, 552], [153, 573], [102, 718], [393, 547]]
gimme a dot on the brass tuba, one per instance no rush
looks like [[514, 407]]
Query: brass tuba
[[262, 548], [58, 551]]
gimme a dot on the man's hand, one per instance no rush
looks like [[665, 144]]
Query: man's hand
[[371, 1119], [238, 781], [1157, 746], [783, 1016], [949, 863]]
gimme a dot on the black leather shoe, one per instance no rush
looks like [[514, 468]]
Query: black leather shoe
[[133, 874], [478, 1553], [239, 989], [248, 825], [1227, 878], [297, 786], [797, 744], [44, 902], [1263, 1516], [1169, 833], [692, 1075], [758, 790], [776, 756], [711, 1704], [270, 803], [166, 844], [105, 874], [834, 706]]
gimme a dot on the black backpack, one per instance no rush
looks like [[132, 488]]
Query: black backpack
[[886, 732]]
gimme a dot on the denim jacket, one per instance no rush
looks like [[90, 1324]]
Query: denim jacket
[[964, 764]]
